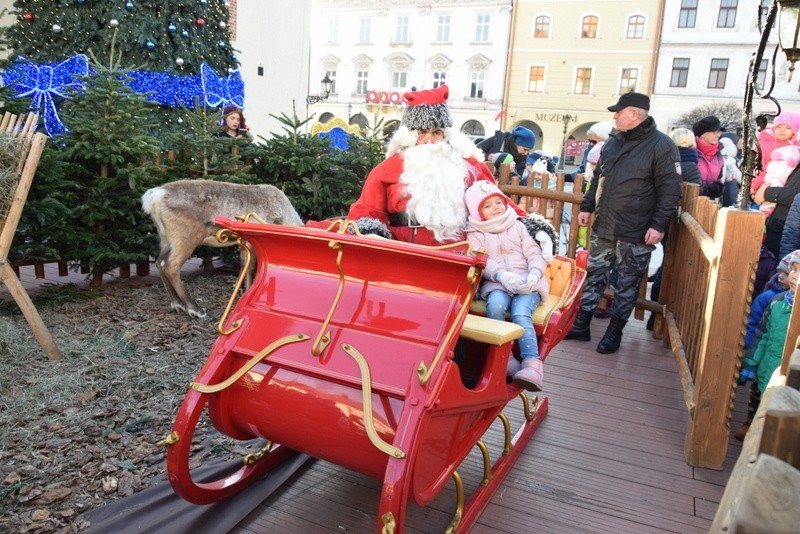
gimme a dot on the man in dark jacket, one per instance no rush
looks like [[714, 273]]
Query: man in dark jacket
[[518, 142], [634, 193]]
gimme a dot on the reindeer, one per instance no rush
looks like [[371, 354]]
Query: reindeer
[[184, 212]]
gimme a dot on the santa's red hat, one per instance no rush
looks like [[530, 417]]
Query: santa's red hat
[[427, 109]]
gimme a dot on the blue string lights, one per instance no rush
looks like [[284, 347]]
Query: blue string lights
[[46, 83]]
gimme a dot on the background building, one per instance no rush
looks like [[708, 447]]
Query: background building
[[572, 59], [271, 38], [704, 57], [375, 51]]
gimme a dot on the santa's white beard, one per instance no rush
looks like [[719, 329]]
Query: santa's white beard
[[434, 175]]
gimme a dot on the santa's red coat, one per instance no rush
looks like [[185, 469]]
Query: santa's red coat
[[383, 193]]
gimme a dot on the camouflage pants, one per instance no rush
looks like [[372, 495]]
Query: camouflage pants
[[632, 262]]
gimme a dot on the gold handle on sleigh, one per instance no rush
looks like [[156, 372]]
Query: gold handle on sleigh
[[424, 372], [366, 392], [223, 236], [214, 388]]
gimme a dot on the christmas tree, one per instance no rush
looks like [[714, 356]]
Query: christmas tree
[[178, 52]]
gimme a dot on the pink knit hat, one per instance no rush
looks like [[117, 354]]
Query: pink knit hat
[[477, 193], [789, 118]]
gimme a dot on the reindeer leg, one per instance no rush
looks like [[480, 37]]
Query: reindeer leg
[[169, 266]]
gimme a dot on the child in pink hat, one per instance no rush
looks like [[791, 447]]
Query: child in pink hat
[[513, 279], [783, 132]]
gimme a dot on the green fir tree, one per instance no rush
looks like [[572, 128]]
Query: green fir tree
[[152, 34], [108, 153]]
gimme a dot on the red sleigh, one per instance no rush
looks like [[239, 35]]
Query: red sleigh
[[345, 348]]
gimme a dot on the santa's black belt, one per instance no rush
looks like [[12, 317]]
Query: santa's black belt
[[401, 218]]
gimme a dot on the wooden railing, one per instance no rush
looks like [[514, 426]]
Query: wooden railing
[[763, 492], [709, 268]]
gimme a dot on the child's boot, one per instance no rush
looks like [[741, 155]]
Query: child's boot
[[531, 376], [513, 366]]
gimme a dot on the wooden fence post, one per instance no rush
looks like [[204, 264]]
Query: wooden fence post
[[738, 235], [28, 164]]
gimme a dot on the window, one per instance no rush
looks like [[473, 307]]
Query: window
[[473, 129], [628, 80], [332, 75], [718, 73], [443, 29], [680, 72], [362, 82], [364, 30], [541, 27], [536, 79], [439, 78], [583, 81], [727, 14], [399, 79], [477, 80], [482, 28], [589, 27], [761, 79], [688, 14], [333, 31], [635, 27], [762, 16], [401, 30]]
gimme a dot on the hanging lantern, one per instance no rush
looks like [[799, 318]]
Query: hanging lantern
[[789, 31]]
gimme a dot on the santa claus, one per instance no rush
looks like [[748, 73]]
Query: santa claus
[[418, 190]]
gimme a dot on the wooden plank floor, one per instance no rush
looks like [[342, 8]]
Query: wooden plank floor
[[608, 458]]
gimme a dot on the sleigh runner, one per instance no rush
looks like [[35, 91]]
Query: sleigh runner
[[363, 352]]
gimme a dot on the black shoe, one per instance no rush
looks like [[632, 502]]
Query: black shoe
[[580, 328], [602, 313], [613, 336], [651, 322]]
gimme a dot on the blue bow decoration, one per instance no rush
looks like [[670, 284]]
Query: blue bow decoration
[[219, 91], [45, 81], [337, 137]]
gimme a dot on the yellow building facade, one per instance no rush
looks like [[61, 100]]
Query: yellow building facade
[[569, 60]]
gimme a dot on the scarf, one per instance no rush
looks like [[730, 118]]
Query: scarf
[[789, 298], [497, 225], [709, 151]]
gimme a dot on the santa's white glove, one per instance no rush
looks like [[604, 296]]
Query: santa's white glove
[[509, 281], [546, 244]]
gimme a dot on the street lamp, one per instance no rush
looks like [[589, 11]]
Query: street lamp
[[789, 40], [789, 31], [326, 88], [566, 118]]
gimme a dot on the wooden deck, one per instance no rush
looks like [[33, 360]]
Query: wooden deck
[[608, 458]]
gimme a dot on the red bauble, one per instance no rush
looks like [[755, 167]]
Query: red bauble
[[200, 22], [29, 17]]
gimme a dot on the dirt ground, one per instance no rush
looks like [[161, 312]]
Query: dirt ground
[[77, 433]]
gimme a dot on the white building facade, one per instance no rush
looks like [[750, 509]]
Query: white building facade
[[375, 50], [704, 57], [271, 38]]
